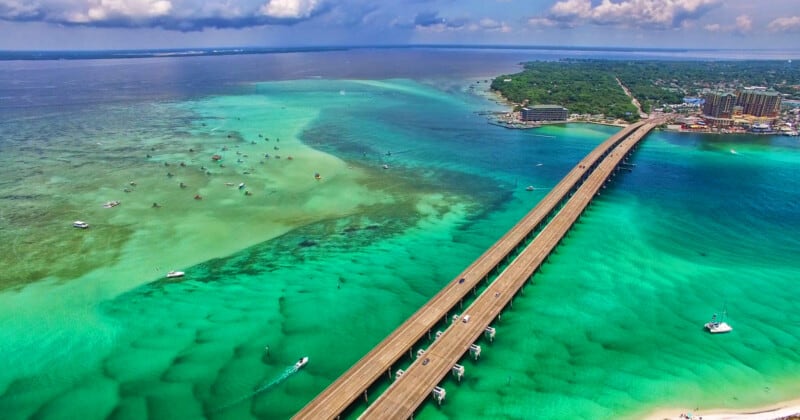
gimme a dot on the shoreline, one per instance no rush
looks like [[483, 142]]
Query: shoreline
[[780, 410]]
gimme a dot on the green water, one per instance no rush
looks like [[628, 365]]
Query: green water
[[326, 268]]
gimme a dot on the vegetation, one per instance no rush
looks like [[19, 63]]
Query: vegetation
[[589, 86], [571, 84]]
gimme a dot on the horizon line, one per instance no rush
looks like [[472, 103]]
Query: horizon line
[[59, 54]]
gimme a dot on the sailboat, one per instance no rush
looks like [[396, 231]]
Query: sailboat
[[716, 326]]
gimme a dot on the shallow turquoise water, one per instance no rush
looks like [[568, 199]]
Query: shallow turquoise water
[[612, 326]]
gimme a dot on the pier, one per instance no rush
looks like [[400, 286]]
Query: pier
[[525, 247]]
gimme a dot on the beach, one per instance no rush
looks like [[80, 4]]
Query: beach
[[783, 410]]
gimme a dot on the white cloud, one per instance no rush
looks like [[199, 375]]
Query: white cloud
[[630, 13], [99, 10], [542, 22], [785, 24], [744, 24], [289, 9], [492, 25]]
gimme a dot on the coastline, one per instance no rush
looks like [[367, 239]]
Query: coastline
[[781, 410]]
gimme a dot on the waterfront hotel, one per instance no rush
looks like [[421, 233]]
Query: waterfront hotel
[[747, 106], [544, 113]]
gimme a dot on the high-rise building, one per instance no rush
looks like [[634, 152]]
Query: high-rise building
[[719, 104], [759, 103]]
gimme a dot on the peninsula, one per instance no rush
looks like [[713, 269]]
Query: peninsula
[[723, 96]]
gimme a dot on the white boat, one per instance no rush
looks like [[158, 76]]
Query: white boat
[[716, 326], [80, 224], [110, 204], [529, 188], [175, 274], [300, 363]]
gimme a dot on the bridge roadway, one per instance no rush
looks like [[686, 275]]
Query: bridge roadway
[[403, 397], [353, 383]]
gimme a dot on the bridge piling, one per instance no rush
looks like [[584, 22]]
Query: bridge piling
[[560, 208]]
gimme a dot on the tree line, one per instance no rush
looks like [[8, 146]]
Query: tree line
[[589, 86]]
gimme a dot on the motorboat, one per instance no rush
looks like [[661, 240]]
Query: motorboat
[[317, 176], [716, 326], [175, 274], [300, 363], [529, 188], [80, 224], [110, 204]]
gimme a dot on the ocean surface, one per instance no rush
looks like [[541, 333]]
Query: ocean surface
[[413, 185]]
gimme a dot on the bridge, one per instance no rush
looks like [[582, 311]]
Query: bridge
[[526, 246]]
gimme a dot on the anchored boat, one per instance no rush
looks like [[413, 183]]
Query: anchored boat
[[716, 326]]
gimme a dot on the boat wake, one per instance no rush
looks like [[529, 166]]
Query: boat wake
[[289, 371]]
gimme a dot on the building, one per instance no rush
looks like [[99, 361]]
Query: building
[[719, 105], [544, 113], [759, 103]]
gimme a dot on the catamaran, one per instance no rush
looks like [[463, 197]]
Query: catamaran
[[716, 326]]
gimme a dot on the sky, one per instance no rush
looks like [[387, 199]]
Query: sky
[[141, 24]]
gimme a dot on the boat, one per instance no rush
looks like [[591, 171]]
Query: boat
[[175, 274], [300, 363], [110, 204], [80, 224], [216, 158], [385, 166], [716, 326], [241, 185], [317, 176], [529, 188]]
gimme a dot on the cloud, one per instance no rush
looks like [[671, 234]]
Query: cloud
[[426, 19], [744, 24], [785, 24], [431, 21], [291, 9], [20, 10], [653, 14], [182, 15], [542, 22], [106, 10], [491, 25]]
